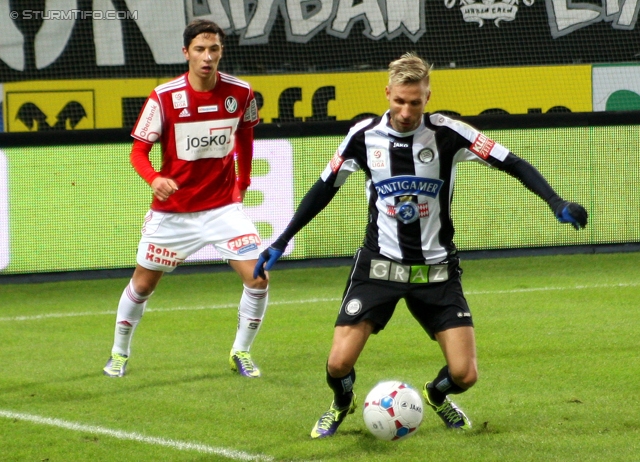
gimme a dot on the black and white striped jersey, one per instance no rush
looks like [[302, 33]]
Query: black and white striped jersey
[[409, 183]]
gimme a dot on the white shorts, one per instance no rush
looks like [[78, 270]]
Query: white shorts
[[169, 238]]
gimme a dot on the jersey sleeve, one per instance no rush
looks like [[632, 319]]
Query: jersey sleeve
[[342, 164], [481, 148], [478, 147], [250, 116], [313, 202], [531, 178], [140, 161], [347, 159], [148, 127], [244, 155]]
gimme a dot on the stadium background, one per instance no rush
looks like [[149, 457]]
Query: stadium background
[[559, 84]]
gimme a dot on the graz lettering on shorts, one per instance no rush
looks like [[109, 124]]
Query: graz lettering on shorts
[[385, 270], [162, 256], [244, 244]]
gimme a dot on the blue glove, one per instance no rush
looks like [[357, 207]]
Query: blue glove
[[572, 212], [268, 256]]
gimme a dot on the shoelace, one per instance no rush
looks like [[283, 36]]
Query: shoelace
[[450, 413], [328, 418], [117, 362], [247, 364]]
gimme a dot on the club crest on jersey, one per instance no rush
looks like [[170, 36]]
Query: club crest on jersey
[[244, 244], [230, 104], [425, 155], [377, 158], [407, 212], [179, 99]]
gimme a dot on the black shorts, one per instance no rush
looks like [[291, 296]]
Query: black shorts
[[433, 293]]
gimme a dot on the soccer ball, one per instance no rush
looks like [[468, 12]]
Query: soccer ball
[[393, 410]]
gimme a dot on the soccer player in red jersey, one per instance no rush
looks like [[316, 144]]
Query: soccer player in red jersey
[[204, 122]]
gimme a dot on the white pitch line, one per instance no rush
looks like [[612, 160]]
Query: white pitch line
[[302, 302], [122, 435], [542, 289], [156, 310]]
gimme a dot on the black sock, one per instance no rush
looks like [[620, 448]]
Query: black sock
[[442, 386], [342, 388]]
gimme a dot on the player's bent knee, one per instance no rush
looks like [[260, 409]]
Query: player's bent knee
[[259, 284], [466, 380], [338, 368], [464, 375], [143, 288]]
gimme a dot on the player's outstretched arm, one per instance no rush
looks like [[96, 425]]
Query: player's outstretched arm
[[316, 199], [532, 179]]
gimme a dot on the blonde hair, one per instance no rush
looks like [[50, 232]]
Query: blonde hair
[[409, 68]]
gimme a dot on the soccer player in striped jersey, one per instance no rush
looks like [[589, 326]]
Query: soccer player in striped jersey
[[204, 123], [409, 158]]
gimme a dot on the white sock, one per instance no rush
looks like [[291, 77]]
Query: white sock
[[253, 305], [130, 311]]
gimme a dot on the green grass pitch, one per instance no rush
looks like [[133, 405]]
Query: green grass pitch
[[558, 349]]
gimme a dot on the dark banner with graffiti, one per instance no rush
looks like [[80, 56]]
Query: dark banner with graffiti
[[71, 39]]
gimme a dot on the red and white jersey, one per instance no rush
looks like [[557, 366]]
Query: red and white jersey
[[197, 133]]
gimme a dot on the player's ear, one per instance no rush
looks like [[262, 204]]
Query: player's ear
[[387, 92], [185, 52]]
